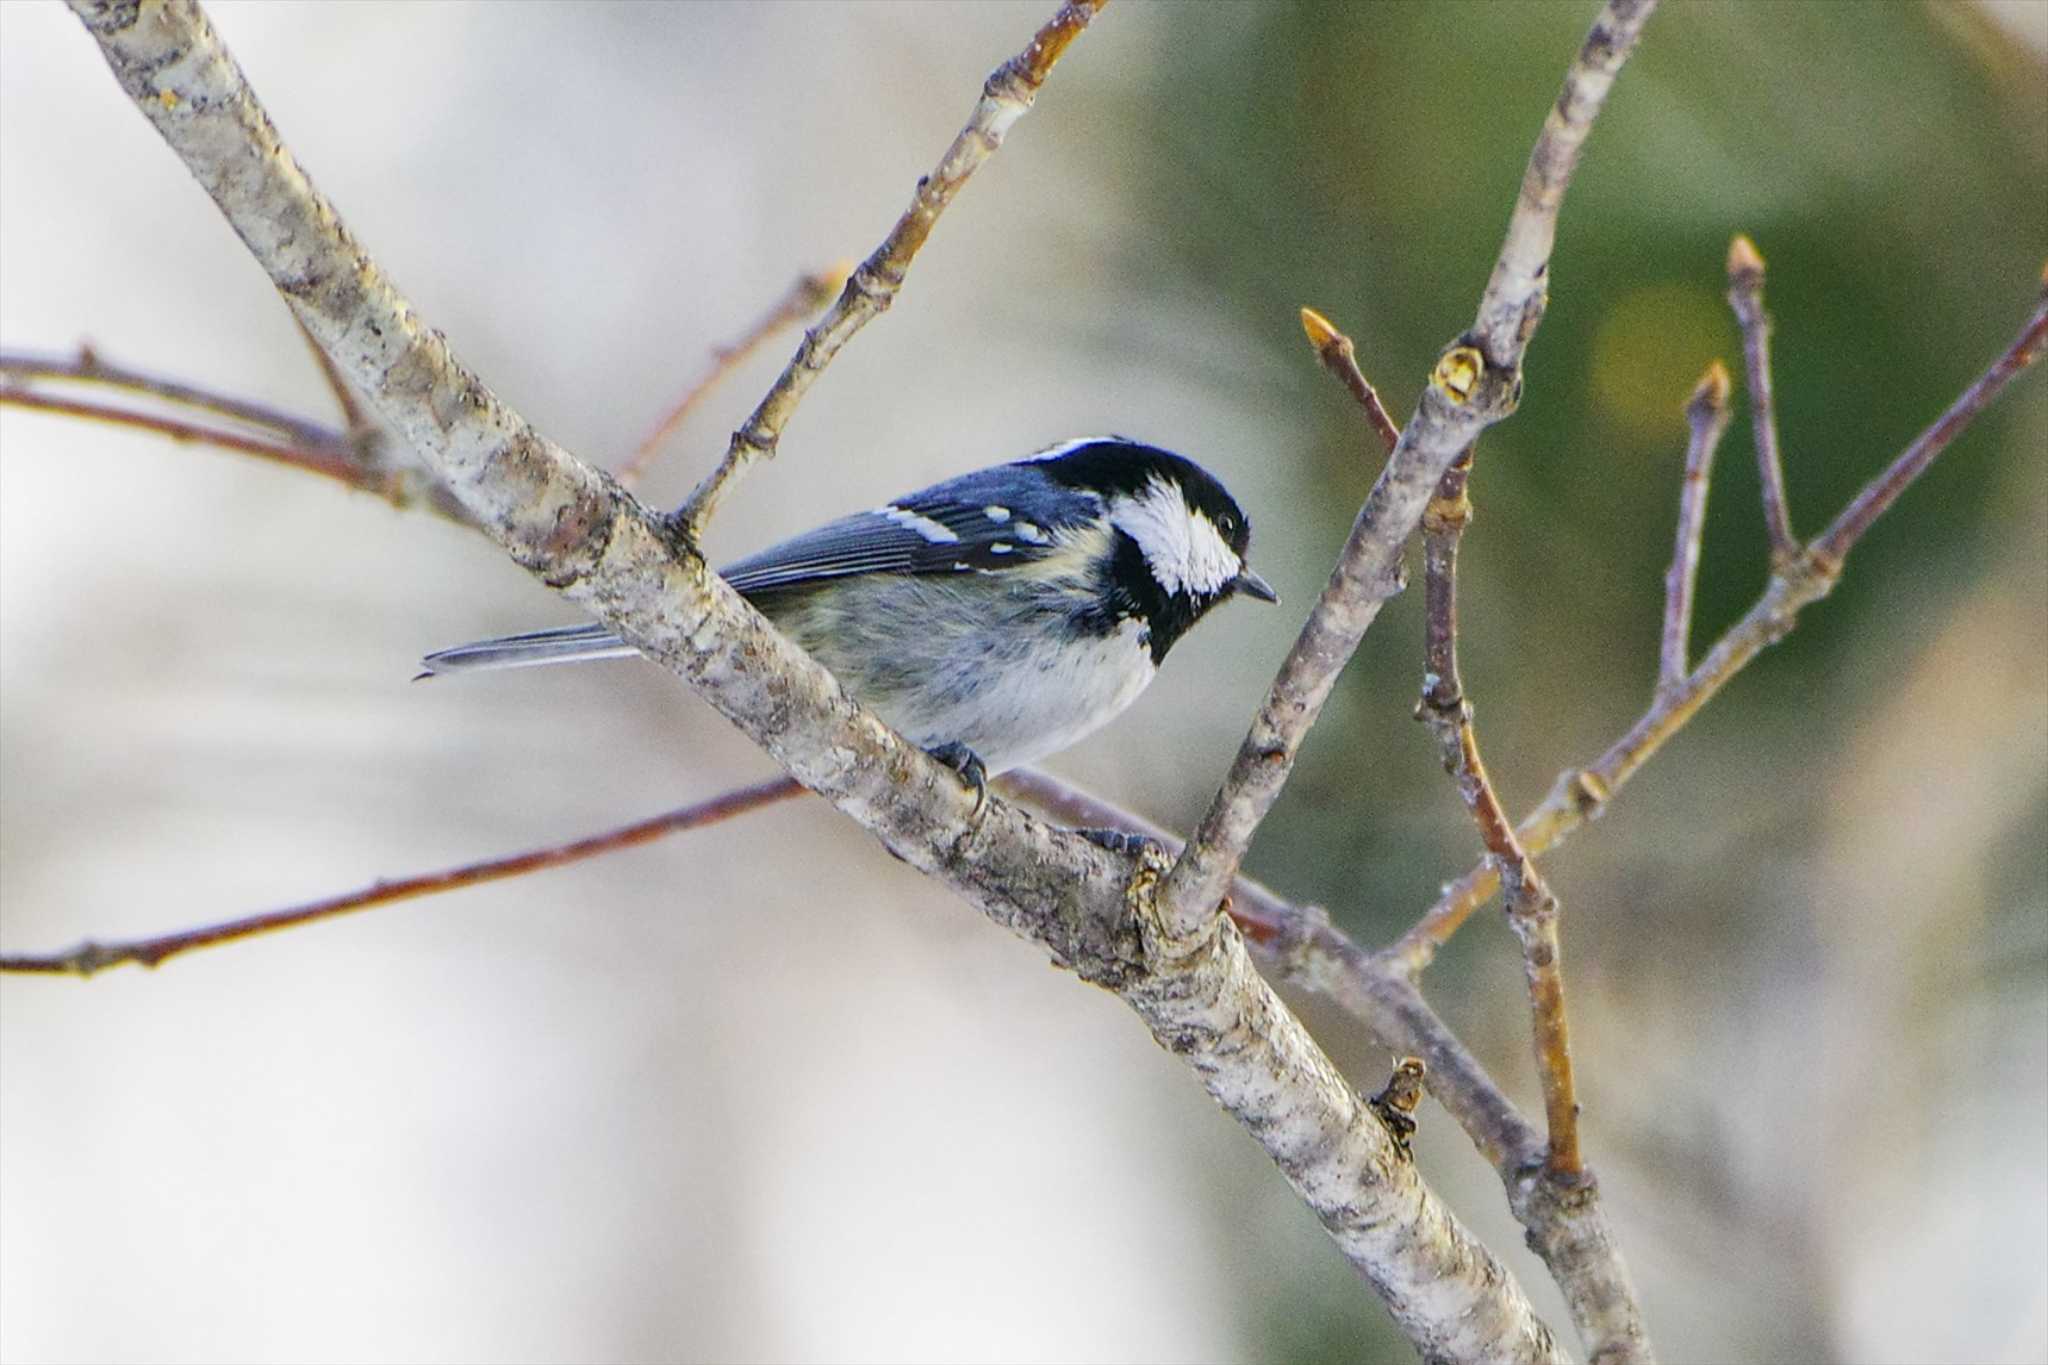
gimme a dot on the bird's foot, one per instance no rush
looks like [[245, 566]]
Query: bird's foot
[[973, 775], [1119, 841]]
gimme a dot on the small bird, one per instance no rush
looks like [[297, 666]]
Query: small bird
[[991, 619]]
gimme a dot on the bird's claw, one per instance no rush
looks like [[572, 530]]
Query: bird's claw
[[1118, 841], [973, 775]]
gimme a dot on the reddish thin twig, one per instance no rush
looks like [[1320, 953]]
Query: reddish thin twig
[[1706, 412], [90, 957], [1532, 908], [1746, 297], [811, 291], [1580, 794], [1340, 357], [332, 458], [90, 367]]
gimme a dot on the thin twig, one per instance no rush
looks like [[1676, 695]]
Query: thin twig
[[1006, 97], [330, 458], [1706, 413], [807, 295], [1832, 546], [1476, 382], [1581, 794], [90, 957], [90, 367], [1532, 908], [1340, 357], [1746, 297]]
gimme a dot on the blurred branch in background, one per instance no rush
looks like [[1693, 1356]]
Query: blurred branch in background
[[805, 297]]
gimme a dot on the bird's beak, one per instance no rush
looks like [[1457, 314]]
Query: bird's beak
[[1252, 585]]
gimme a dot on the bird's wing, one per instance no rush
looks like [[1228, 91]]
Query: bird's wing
[[960, 526]]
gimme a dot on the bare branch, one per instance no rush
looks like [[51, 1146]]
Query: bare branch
[[1476, 382], [1340, 357], [1833, 545], [19, 368], [1706, 413], [578, 531], [1532, 908], [330, 459], [806, 296], [89, 957], [1520, 285], [1746, 297], [1581, 794], [1006, 97], [1566, 1224]]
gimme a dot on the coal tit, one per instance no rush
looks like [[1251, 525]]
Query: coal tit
[[994, 618]]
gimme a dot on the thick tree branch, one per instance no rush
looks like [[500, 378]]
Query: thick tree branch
[[1006, 97], [1567, 1225], [1476, 382], [574, 528]]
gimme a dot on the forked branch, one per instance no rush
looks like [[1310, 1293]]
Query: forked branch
[[1580, 794], [1476, 382]]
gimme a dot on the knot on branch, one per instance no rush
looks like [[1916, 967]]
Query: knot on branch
[[1584, 791], [1448, 516], [1162, 941], [1395, 1104], [1467, 380]]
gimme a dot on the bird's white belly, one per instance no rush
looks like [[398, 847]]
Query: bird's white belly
[[945, 662], [1027, 707]]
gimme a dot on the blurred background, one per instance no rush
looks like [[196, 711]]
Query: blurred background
[[708, 1100]]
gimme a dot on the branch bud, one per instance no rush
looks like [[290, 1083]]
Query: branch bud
[[1710, 395], [1745, 263]]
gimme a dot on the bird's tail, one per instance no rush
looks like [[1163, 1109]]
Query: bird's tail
[[562, 645]]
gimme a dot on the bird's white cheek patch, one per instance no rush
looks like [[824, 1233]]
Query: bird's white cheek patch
[[1183, 548]]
